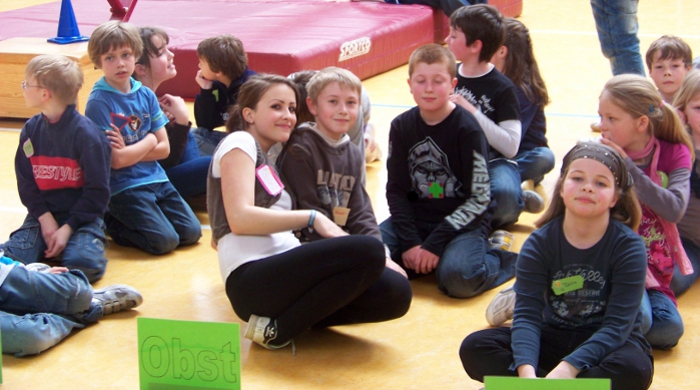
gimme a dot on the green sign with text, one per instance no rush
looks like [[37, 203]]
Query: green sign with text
[[515, 383], [187, 355]]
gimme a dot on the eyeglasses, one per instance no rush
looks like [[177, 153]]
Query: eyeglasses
[[25, 85]]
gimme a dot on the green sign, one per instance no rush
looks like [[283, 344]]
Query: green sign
[[187, 355], [515, 383]]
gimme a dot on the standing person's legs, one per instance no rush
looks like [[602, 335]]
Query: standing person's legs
[[616, 22], [179, 214], [681, 283], [506, 190], [85, 250], [26, 244], [534, 164], [135, 219], [666, 325], [301, 287], [467, 267]]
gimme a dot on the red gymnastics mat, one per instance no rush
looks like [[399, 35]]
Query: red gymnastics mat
[[280, 36]]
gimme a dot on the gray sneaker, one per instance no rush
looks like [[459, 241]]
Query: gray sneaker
[[116, 298], [501, 239], [501, 307], [38, 267], [533, 202]]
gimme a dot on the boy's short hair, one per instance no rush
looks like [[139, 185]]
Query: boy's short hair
[[113, 35], [433, 53], [332, 74], [670, 47], [481, 22], [225, 54], [57, 73]]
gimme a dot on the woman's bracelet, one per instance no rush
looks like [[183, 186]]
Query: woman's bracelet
[[312, 219]]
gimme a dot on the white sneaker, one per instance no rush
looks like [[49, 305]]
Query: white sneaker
[[501, 307], [263, 330], [116, 298], [501, 239], [38, 267]]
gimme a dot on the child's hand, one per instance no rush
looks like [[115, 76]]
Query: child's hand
[[48, 226], [203, 83], [115, 137], [426, 261], [613, 145], [58, 241], [175, 109], [461, 101], [58, 270], [327, 228], [563, 370], [395, 267], [409, 257]]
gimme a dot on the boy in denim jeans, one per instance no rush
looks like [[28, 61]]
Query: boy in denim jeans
[[438, 186], [62, 168], [41, 305], [145, 210]]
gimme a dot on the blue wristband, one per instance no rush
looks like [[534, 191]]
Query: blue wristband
[[312, 219]]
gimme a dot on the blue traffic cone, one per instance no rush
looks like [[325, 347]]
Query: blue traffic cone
[[67, 26]]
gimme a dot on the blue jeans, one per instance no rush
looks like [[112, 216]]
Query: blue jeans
[[84, 251], [681, 283], [152, 217], [534, 164], [38, 310], [662, 324], [189, 177], [466, 268], [207, 140], [447, 6], [616, 22], [506, 190]]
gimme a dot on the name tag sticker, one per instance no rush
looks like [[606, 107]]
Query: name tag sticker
[[340, 215], [28, 148], [269, 180], [565, 285]]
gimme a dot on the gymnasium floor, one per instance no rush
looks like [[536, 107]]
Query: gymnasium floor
[[415, 352]]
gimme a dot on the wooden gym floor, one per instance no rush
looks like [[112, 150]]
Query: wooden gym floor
[[415, 352]]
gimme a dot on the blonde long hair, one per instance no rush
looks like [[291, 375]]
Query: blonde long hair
[[638, 97]]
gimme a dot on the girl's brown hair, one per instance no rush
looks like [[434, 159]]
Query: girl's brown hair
[[250, 94], [520, 64]]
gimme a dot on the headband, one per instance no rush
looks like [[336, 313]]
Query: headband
[[605, 155]]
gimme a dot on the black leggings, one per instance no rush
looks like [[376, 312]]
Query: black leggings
[[323, 283], [488, 352]]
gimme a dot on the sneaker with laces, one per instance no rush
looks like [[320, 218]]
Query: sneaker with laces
[[501, 239], [533, 202], [263, 330], [501, 307], [116, 298]]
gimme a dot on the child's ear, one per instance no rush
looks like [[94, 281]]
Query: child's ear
[[642, 123], [311, 106], [476, 46], [247, 115], [454, 84], [140, 71]]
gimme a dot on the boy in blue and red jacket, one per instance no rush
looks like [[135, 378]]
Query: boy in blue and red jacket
[[62, 167]]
